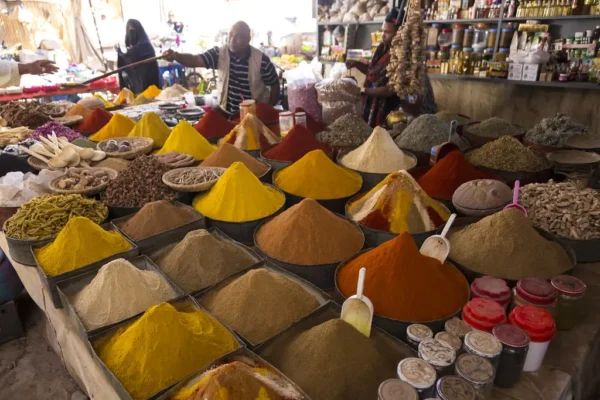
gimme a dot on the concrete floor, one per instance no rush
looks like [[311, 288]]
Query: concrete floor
[[29, 368]]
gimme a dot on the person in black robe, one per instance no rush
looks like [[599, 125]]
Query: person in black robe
[[139, 47]]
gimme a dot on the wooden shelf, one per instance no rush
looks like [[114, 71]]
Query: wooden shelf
[[351, 23], [553, 84], [460, 21], [554, 18]]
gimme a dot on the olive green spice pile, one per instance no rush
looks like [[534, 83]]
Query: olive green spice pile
[[450, 116], [494, 128], [508, 154]]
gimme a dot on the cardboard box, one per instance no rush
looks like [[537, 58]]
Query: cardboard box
[[515, 71]]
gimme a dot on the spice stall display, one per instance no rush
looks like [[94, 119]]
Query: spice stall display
[[494, 128], [150, 126], [448, 117], [213, 125], [59, 130], [425, 132], [312, 124], [118, 126], [97, 120], [79, 109], [347, 131], [119, 291], [296, 144], [162, 347], [185, 139], [481, 197], [508, 154], [31, 114], [555, 131], [259, 304], [506, 245], [251, 134], [227, 154]]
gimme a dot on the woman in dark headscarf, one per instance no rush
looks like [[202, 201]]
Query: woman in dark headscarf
[[139, 47], [379, 99]]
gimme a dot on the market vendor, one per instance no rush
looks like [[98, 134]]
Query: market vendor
[[379, 99], [10, 72], [139, 48], [244, 71]]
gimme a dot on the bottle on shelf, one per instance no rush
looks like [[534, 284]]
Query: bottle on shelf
[[575, 8], [587, 7], [511, 9]]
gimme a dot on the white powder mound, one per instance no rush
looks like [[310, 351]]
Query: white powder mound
[[379, 154], [119, 291]]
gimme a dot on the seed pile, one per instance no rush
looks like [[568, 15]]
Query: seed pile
[[139, 184], [201, 260], [505, 245], [45, 216], [563, 209], [83, 178], [494, 128], [227, 154], [157, 217], [333, 361], [30, 114], [119, 291], [425, 132], [118, 164], [555, 131], [195, 176], [448, 117], [347, 130], [508, 154], [260, 304]]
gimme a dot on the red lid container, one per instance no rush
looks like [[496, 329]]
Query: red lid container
[[483, 314], [537, 322], [536, 291], [511, 335], [568, 285], [491, 288]]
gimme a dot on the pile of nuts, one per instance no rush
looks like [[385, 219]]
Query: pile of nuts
[[82, 178], [112, 146], [563, 209]]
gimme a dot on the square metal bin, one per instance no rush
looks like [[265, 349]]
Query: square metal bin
[[321, 296], [169, 236], [52, 280], [70, 287], [178, 303], [242, 355]]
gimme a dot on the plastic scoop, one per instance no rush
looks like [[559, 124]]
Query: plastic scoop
[[515, 203], [437, 246], [440, 151], [357, 310]]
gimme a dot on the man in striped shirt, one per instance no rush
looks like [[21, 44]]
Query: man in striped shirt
[[244, 71]]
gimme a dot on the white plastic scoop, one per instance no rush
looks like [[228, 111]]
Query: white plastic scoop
[[357, 310], [515, 203], [437, 246]]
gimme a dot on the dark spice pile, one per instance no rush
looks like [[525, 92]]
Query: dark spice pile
[[347, 130], [555, 131], [260, 304], [139, 184], [31, 114], [309, 234], [157, 217], [333, 361]]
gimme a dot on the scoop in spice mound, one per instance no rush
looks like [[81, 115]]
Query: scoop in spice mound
[[508, 154], [425, 132], [347, 130], [555, 131], [506, 245], [398, 204], [260, 304], [227, 154], [494, 128], [251, 134]]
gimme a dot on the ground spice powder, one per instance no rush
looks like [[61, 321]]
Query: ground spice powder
[[442, 180], [227, 154], [298, 142], [506, 245], [119, 126], [334, 361], [267, 113], [405, 285], [251, 134], [239, 196], [80, 110], [81, 242], [260, 304], [315, 176], [200, 260], [151, 92], [151, 126], [397, 204], [162, 347], [185, 139], [309, 234], [213, 124], [158, 217], [97, 120]]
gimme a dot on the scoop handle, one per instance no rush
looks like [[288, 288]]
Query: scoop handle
[[448, 225], [516, 192], [361, 282], [452, 130]]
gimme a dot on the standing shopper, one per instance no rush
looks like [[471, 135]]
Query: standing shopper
[[139, 47]]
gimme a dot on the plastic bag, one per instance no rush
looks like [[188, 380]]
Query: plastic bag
[[530, 57], [365, 17], [301, 88], [338, 95]]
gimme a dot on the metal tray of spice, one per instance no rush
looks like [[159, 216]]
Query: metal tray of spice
[[320, 295], [68, 288], [169, 236], [241, 355], [179, 304], [52, 280]]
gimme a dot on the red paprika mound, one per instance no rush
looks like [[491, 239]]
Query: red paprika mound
[[295, 145], [442, 180], [96, 121], [267, 113], [313, 125], [213, 124], [405, 285]]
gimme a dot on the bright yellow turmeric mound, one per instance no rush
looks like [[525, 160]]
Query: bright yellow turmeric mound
[[118, 126], [151, 126], [185, 139]]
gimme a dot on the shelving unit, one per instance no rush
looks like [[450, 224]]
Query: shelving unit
[[553, 84]]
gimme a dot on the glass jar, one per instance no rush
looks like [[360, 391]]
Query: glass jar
[[247, 107], [506, 37], [479, 372], [440, 355], [300, 119], [416, 333], [488, 54], [418, 374], [432, 52], [395, 389], [570, 294], [468, 38], [443, 53], [541, 328], [432, 35], [483, 314], [491, 288], [457, 327], [515, 343], [480, 36], [445, 38], [535, 291], [454, 50], [455, 388], [492, 35], [502, 55], [453, 340], [458, 34], [483, 344], [286, 122]]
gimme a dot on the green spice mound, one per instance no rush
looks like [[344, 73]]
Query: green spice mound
[[494, 128], [450, 116], [506, 245], [508, 154]]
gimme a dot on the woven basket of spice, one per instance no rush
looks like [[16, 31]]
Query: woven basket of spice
[[175, 159], [84, 181], [126, 147], [192, 179]]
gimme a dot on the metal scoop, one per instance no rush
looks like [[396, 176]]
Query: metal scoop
[[357, 310], [437, 246], [515, 203]]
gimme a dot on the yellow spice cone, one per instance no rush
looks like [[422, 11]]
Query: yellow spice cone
[[151, 126], [248, 133], [118, 126], [125, 96], [151, 92], [185, 139]]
